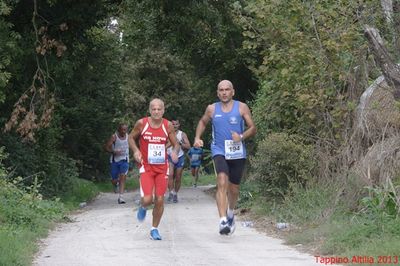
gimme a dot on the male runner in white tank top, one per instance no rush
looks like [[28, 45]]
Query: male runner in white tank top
[[118, 147], [176, 169]]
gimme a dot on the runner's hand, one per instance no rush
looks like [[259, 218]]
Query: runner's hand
[[138, 157], [198, 143], [174, 157], [236, 136]]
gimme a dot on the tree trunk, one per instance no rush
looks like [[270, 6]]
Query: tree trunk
[[390, 70]]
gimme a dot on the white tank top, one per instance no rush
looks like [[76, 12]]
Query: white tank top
[[179, 138], [120, 145]]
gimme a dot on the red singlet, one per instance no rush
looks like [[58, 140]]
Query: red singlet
[[154, 169]]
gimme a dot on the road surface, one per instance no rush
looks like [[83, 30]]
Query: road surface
[[105, 233]]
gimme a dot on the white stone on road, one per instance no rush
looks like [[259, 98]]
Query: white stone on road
[[106, 233]]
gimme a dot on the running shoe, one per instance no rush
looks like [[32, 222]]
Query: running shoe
[[175, 198], [224, 228], [155, 235], [170, 197], [121, 200], [141, 214], [231, 223]]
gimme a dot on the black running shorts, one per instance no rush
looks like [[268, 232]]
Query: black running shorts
[[233, 168]]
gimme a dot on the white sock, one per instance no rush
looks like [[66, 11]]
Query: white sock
[[152, 228], [173, 192], [229, 213], [223, 219]]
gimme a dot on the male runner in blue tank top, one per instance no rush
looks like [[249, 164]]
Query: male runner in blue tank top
[[228, 150]]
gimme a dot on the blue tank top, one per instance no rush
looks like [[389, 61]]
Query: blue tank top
[[222, 125], [195, 155]]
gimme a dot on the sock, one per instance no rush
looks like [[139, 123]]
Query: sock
[[229, 213], [173, 192], [152, 228], [223, 219]]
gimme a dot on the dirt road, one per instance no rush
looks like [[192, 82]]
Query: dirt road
[[106, 233]]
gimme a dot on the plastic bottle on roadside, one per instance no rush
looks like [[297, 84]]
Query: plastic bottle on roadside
[[247, 224], [282, 225]]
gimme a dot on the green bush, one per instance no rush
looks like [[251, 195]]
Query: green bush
[[24, 216], [281, 160], [26, 208], [41, 160], [82, 190]]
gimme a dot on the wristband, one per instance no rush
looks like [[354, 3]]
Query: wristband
[[241, 137]]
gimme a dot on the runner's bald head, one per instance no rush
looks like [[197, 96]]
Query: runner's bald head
[[156, 101], [225, 83]]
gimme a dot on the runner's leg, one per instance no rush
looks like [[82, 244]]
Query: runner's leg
[[147, 183], [193, 171], [178, 178], [196, 174], [160, 188], [236, 169]]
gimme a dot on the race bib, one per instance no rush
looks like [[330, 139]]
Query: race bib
[[233, 150], [195, 157], [156, 154]]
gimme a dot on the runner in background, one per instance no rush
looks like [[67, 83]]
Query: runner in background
[[176, 169], [195, 155], [118, 146]]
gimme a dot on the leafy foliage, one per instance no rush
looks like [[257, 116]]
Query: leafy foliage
[[282, 160], [24, 216], [80, 61], [7, 45], [179, 52], [381, 202], [306, 55]]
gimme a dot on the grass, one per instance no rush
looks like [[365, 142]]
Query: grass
[[132, 183], [25, 217], [13, 247], [325, 226], [204, 179], [82, 191]]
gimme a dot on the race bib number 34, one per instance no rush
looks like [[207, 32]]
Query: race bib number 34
[[156, 154], [233, 150]]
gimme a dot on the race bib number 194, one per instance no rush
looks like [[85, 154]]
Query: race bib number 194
[[233, 150]]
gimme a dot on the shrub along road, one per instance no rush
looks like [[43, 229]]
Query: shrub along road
[[105, 233]]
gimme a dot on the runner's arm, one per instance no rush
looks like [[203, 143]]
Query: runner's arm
[[185, 142], [174, 142], [108, 146]]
